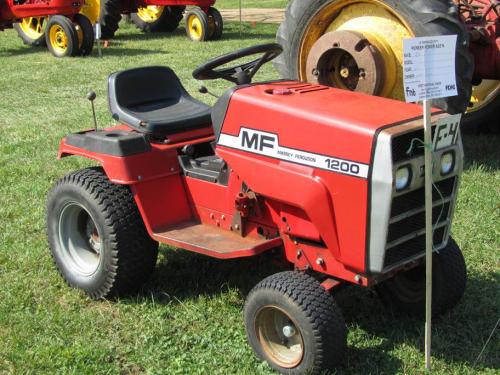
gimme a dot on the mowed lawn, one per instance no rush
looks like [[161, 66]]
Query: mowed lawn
[[188, 318]]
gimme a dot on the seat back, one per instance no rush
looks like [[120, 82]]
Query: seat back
[[130, 89]]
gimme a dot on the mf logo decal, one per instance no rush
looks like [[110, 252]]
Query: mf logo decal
[[267, 144]]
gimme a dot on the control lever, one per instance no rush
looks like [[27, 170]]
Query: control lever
[[204, 90], [91, 97]]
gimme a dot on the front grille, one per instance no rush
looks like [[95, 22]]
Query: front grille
[[406, 234]]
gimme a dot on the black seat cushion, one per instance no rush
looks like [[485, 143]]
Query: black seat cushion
[[153, 100]]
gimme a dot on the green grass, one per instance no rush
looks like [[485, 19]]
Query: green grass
[[188, 318], [235, 4]]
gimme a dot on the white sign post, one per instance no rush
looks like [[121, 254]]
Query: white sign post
[[429, 73]]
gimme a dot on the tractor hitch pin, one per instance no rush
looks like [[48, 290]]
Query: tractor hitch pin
[[204, 90], [91, 97]]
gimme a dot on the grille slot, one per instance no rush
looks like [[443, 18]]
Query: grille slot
[[416, 222], [402, 143], [416, 198], [406, 232], [411, 248]]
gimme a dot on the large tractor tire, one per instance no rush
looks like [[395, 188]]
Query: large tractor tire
[[109, 17], [326, 41], [484, 109], [158, 18]]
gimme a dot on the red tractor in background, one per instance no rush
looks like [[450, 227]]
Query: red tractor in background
[[203, 21], [327, 180], [357, 45], [67, 32]]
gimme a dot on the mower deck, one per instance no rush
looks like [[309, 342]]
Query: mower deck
[[212, 241]]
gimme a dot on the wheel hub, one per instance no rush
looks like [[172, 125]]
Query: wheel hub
[[279, 336], [79, 240], [347, 60]]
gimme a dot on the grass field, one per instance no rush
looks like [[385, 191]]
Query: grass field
[[188, 318]]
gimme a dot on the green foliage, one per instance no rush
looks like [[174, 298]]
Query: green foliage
[[188, 318]]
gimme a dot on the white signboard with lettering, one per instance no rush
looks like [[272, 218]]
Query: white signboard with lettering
[[429, 67]]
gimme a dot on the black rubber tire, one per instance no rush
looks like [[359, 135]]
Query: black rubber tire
[[71, 34], [449, 279], [128, 254], [202, 16], [425, 18], [87, 43], [167, 22], [315, 315], [37, 42], [485, 120], [218, 23], [109, 18]]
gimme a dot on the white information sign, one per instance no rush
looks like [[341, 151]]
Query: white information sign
[[429, 67]]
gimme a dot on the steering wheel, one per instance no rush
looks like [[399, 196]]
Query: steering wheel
[[239, 74]]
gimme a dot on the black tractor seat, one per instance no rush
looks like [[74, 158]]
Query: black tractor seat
[[152, 100]]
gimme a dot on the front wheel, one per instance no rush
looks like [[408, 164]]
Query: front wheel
[[405, 292], [61, 37], [294, 324], [96, 235], [197, 25]]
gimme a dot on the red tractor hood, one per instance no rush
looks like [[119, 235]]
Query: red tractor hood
[[309, 147], [315, 118]]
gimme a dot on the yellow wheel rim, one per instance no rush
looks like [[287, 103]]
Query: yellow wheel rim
[[33, 27], [377, 22], [484, 94], [150, 13], [91, 10], [195, 27], [58, 39]]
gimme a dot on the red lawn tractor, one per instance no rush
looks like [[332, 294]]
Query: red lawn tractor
[[67, 32], [329, 180]]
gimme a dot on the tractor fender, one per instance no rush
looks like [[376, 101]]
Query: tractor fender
[[126, 157]]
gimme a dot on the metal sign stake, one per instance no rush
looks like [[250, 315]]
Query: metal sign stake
[[428, 230]]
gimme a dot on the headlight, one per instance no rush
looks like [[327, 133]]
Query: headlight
[[403, 178], [447, 163]]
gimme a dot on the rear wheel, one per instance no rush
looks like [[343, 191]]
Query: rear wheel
[[31, 30], [96, 235], [357, 44], [85, 34], [215, 23], [61, 37], [405, 292], [197, 25], [484, 109], [158, 18], [294, 324]]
